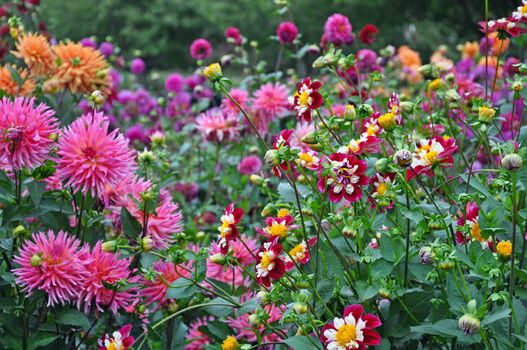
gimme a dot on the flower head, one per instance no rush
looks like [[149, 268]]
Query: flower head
[[338, 30], [368, 33], [270, 265], [26, 132], [299, 254], [430, 153], [278, 227], [137, 66], [10, 86], [229, 229], [504, 250], [249, 165], [52, 264], [271, 100], [36, 52], [217, 126], [119, 340], [197, 340], [287, 32], [232, 34], [174, 83], [81, 69], [241, 96], [230, 343], [92, 157], [155, 290], [200, 49], [355, 330], [307, 98]]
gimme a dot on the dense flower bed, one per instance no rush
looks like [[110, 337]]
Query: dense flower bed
[[363, 199]]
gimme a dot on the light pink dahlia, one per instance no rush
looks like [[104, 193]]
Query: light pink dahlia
[[51, 263], [239, 95], [25, 132], [106, 269], [217, 126], [155, 290], [272, 101], [161, 224], [91, 156]]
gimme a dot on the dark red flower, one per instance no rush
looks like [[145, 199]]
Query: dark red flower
[[368, 33], [229, 229], [270, 266], [307, 98]]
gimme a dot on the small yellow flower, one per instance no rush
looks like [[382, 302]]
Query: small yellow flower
[[504, 250], [486, 114], [436, 84], [230, 343], [387, 121], [213, 72]]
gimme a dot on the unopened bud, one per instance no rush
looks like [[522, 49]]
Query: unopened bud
[[147, 243], [300, 308], [217, 259], [213, 72], [512, 162], [403, 158], [109, 246], [427, 255], [469, 324], [350, 113], [486, 114], [35, 260], [310, 138]]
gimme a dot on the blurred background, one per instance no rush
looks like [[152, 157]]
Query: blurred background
[[164, 29]]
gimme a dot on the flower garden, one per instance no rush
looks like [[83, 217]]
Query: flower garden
[[338, 198]]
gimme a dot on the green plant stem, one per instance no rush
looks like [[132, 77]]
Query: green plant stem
[[511, 282], [407, 249]]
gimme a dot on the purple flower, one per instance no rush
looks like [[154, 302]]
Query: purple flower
[[338, 30], [106, 49], [200, 49], [137, 66], [174, 83]]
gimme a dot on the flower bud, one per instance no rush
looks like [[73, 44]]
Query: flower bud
[[403, 158], [469, 324], [517, 86], [262, 297], [436, 84], [472, 306], [253, 320], [97, 98], [35, 260], [512, 162], [173, 307], [146, 157], [310, 138], [486, 114], [316, 147], [446, 265], [380, 165], [350, 113], [271, 157], [365, 111], [300, 308], [19, 231], [406, 106], [158, 139], [387, 121], [504, 250], [452, 96], [109, 246], [230, 343], [217, 259], [385, 293], [213, 72], [256, 180], [427, 255], [147, 243], [268, 210]]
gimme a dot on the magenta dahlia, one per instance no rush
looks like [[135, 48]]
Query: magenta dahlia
[[338, 30], [155, 290], [200, 49]]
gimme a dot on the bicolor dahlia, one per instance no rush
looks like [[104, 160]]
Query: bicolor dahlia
[[52, 264], [308, 159], [119, 340], [200, 49], [162, 223], [430, 153], [366, 144], [91, 157], [338, 30], [346, 175], [155, 290], [382, 185], [11, 87], [105, 271], [287, 32], [299, 254], [229, 227], [281, 142], [270, 265], [36, 52], [471, 218], [272, 100], [217, 126], [355, 330], [81, 69], [278, 227], [521, 12], [307, 98], [368, 33], [502, 26], [26, 132]]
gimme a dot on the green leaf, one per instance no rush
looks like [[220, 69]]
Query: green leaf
[[131, 227], [36, 190], [380, 269], [287, 193], [219, 310], [301, 342], [496, 316], [42, 339], [74, 318], [413, 215], [181, 288]]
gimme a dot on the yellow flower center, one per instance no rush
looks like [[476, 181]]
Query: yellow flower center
[[346, 334], [303, 99], [112, 346], [224, 228], [266, 261], [306, 157], [230, 343], [278, 230], [283, 212], [371, 130], [297, 251], [431, 156], [524, 9], [382, 188]]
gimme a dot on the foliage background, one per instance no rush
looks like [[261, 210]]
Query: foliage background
[[164, 29]]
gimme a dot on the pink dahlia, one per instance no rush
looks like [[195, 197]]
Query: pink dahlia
[[162, 223], [272, 100], [51, 263], [239, 95], [106, 269], [25, 132], [155, 290], [137, 66], [338, 30], [216, 126], [287, 32], [119, 340], [174, 83], [200, 49], [91, 157], [197, 340], [250, 165], [232, 34]]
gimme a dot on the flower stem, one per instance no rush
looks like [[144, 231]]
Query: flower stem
[[406, 257], [511, 282]]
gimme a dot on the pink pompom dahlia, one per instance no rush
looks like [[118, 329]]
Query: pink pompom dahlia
[[355, 330], [91, 157], [287, 32], [249, 165], [338, 30], [105, 271], [200, 49], [26, 132], [52, 264]]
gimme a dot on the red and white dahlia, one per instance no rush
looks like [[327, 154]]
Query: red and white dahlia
[[346, 175], [430, 153], [120, 340], [307, 98], [277, 227], [270, 265], [229, 230]]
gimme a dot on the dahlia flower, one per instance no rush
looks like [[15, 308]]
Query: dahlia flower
[[36, 52], [155, 291], [502, 26], [239, 95], [26, 132], [278, 227], [120, 340], [174, 83], [81, 69], [11, 87], [299, 254], [249, 165], [232, 34], [368, 33], [229, 229], [307, 98], [345, 178], [200, 49], [137, 66], [216, 126], [353, 331], [287, 32], [308, 159], [52, 264], [521, 12], [270, 265], [282, 141], [105, 269], [106, 49], [197, 340], [271, 100], [366, 144], [91, 157], [338, 30], [430, 153], [162, 223], [382, 184], [471, 218]]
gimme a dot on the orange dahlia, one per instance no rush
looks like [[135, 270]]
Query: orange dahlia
[[36, 52], [80, 69], [11, 87]]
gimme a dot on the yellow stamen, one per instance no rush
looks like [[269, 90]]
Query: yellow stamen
[[297, 251], [266, 261], [346, 334], [382, 188], [278, 230], [306, 157]]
